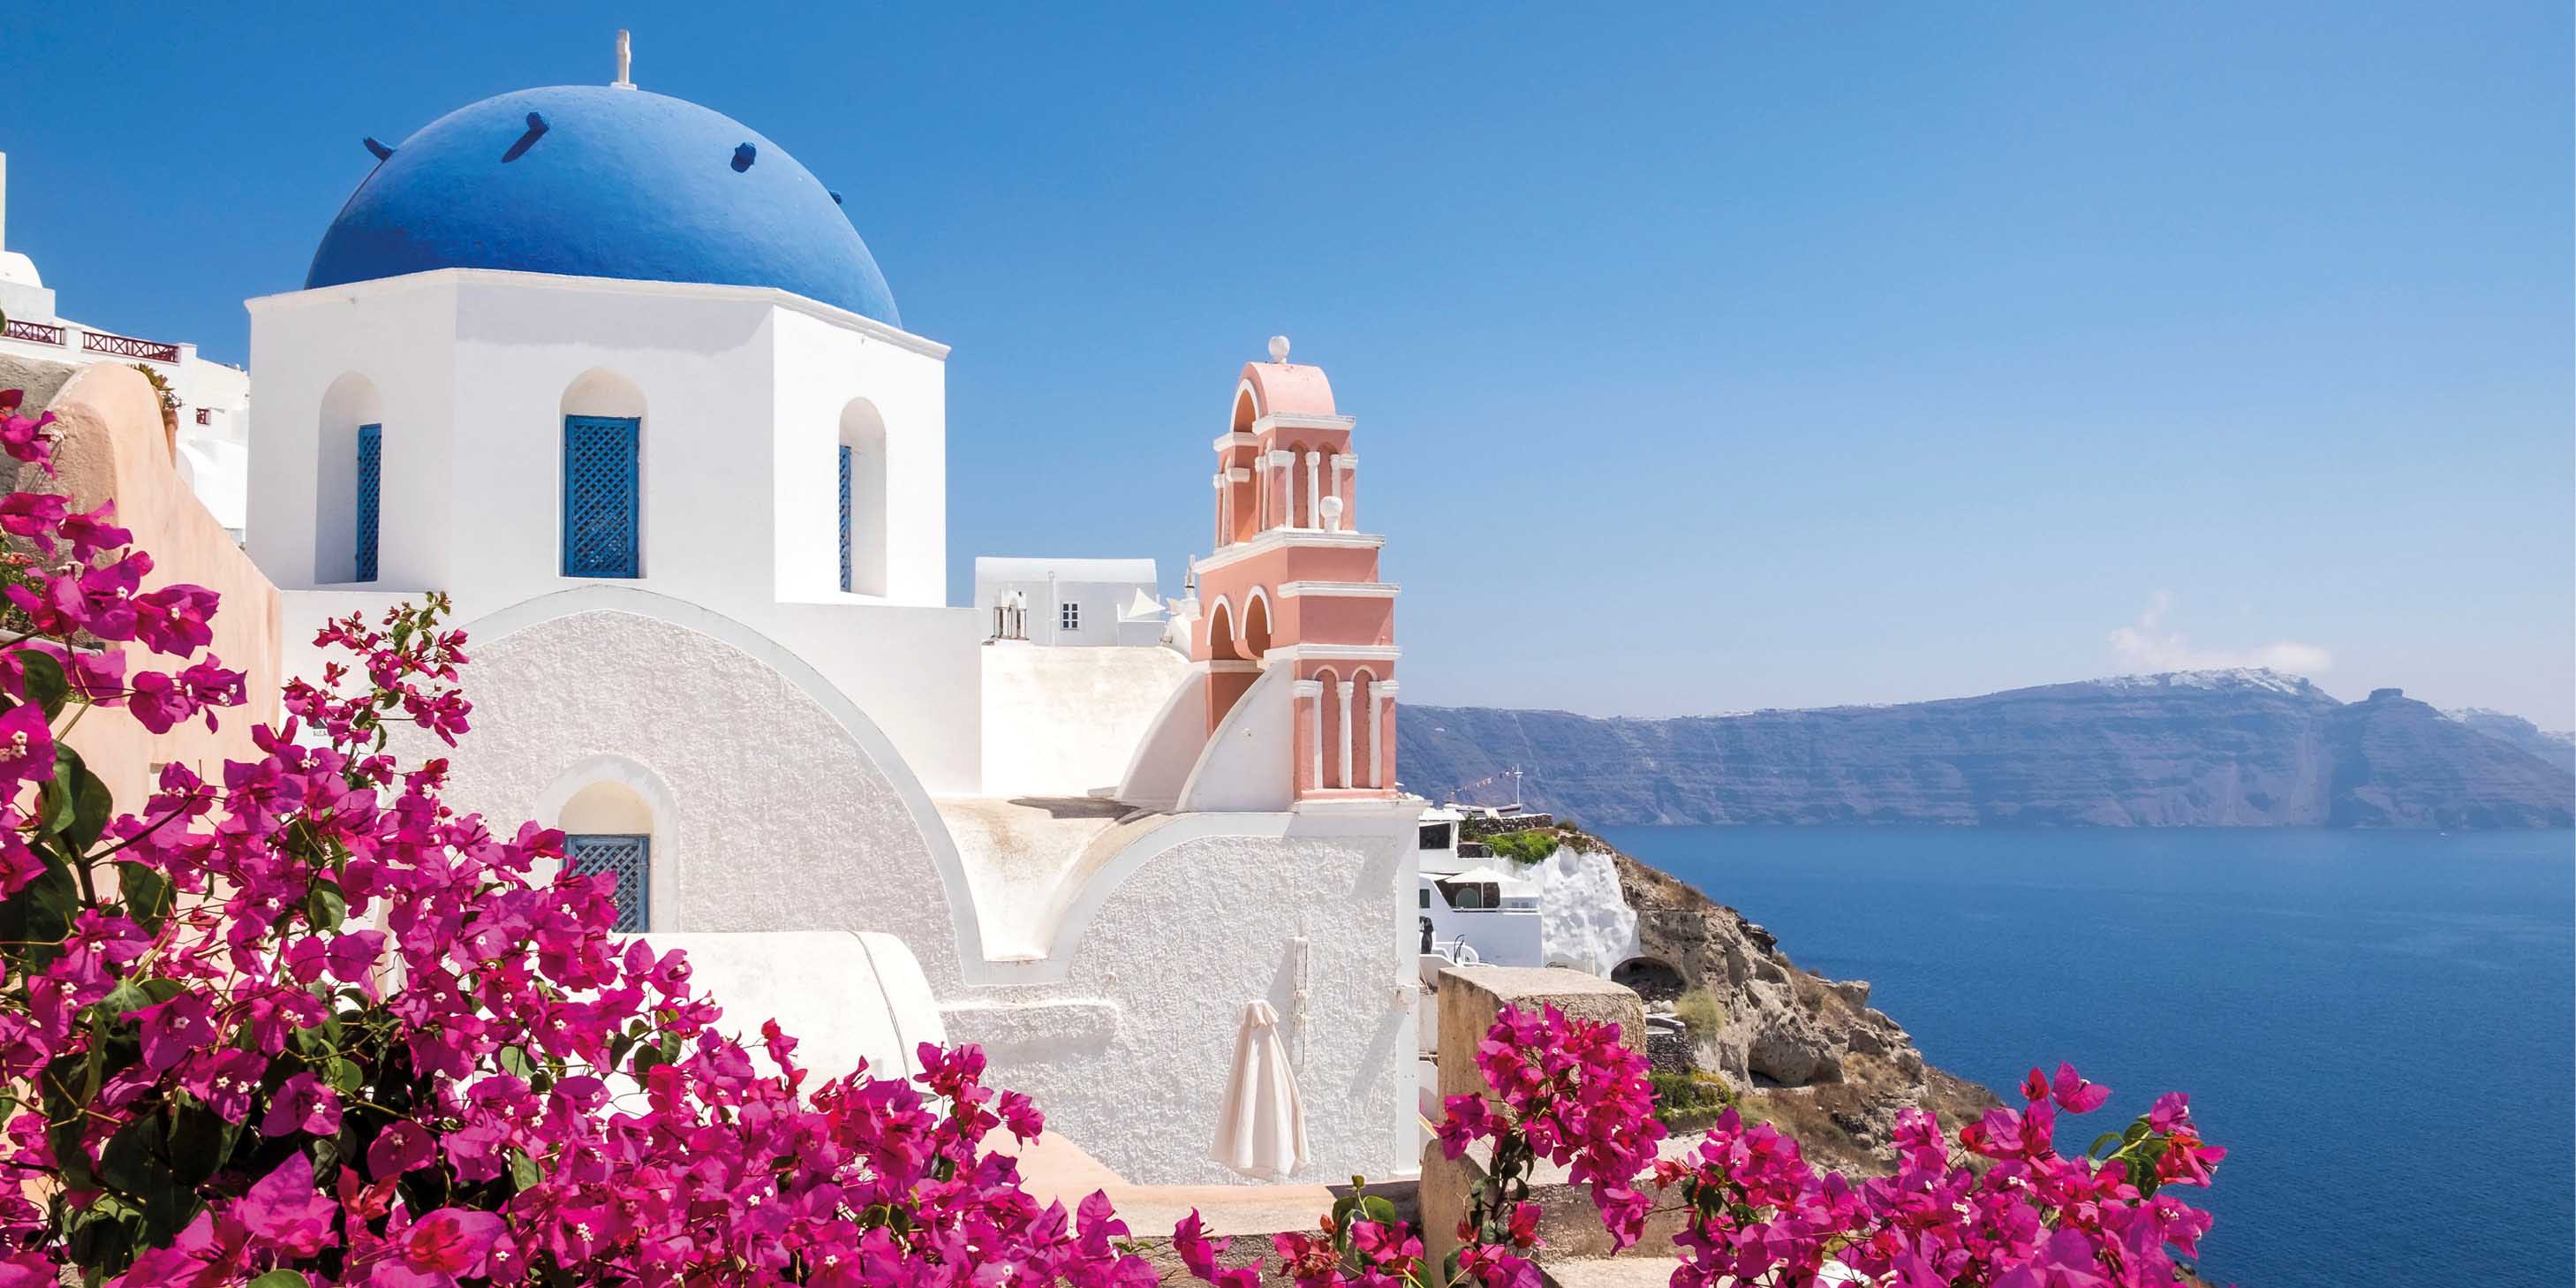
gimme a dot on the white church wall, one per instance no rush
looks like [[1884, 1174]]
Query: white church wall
[[1130, 1051], [1247, 762], [486, 360], [915, 671], [400, 344], [783, 820], [1170, 748], [821, 369], [1062, 722]]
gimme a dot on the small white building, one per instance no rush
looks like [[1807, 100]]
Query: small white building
[[1473, 908], [211, 433], [1070, 602]]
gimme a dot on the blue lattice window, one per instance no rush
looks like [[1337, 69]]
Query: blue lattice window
[[629, 858], [371, 491], [599, 503], [845, 517]]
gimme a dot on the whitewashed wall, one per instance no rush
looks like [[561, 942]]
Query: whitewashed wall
[[1586, 922], [742, 392], [1129, 1057], [773, 813]]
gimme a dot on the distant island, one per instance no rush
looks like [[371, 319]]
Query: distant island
[[2241, 748]]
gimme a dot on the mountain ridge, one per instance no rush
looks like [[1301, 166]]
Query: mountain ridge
[[2244, 747]]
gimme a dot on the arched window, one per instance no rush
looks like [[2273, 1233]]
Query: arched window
[[603, 422], [608, 829], [862, 446], [348, 483]]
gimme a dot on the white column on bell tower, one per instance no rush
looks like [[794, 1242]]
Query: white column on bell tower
[[1314, 489], [1346, 732]]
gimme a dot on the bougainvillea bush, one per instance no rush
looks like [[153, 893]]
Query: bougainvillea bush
[[298, 1023]]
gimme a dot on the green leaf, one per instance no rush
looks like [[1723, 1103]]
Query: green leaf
[[69, 1158], [326, 907], [282, 1279], [524, 1172], [646, 1058], [77, 804], [514, 1060], [39, 915], [132, 1158], [146, 893], [46, 685], [200, 1143], [345, 1076]]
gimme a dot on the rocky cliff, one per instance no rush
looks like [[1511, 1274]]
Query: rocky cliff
[[1807, 1053], [2231, 748], [2557, 748]]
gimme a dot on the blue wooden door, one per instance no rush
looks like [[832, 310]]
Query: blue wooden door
[[599, 504], [627, 857]]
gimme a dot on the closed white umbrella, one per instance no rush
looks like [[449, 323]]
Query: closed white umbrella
[[1261, 1128]]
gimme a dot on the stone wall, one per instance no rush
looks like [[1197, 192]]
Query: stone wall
[[1476, 827], [1470, 998]]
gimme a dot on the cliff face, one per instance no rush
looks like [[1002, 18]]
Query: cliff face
[[2556, 748], [1809, 1054], [2240, 748]]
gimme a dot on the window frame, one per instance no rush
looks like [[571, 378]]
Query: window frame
[[582, 434], [366, 556]]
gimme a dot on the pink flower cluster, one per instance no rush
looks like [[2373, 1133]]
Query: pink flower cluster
[[2019, 1216], [301, 1023]]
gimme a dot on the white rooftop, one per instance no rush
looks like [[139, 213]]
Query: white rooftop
[[1004, 568]]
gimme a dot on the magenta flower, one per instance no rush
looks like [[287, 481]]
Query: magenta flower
[[401, 1147], [26, 746], [286, 1211], [21, 437], [2074, 1094], [210, 1253], [173, 1028], [302, 1104], [439, 1249]]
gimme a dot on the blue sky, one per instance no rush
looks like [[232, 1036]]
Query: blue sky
[[1705, 357]]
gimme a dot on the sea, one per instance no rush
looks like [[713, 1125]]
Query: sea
[[2379, 1026]]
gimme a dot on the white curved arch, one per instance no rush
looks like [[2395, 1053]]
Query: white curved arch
[[1231, 637], [1269, 626], [663, 865], [351, 400], [1243, 389], [880, 751]]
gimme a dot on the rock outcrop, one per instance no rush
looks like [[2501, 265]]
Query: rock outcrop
[[1808, 1053], [2229, 748]]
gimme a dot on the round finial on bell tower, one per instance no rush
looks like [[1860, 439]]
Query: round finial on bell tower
[[1279, 348]]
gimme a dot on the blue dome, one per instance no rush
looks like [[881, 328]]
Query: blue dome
[[617, 183]]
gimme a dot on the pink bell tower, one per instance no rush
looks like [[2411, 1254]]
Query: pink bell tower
[[1294, 583]]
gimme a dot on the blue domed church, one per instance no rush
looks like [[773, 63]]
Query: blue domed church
[[620, 375]]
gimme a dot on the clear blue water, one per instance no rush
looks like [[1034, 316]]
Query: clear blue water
[[2380, 1027]]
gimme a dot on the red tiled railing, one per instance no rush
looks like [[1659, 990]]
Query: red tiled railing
[[126, 346], [33, 332]]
